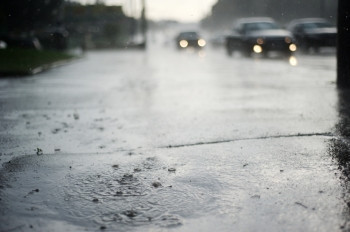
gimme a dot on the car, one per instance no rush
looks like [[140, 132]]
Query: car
[[260, 36], [189, 39], [313, 33]]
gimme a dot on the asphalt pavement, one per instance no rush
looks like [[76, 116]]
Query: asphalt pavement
[[162, 140]]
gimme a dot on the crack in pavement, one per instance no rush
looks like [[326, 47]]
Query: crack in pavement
[[326, 134], [129, 151]]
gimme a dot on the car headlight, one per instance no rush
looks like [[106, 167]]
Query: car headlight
[[293, 47], [201, 42], [257, 49], [183, 43]]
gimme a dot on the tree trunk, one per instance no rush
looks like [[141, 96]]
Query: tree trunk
[[343, 46]]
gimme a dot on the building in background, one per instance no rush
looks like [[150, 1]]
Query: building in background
[[225, 12]]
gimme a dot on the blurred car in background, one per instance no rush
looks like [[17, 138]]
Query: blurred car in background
[[260, 36], [189, 39], [313, 33]]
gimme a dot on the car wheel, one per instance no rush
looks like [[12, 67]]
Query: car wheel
[[303, 48], [287, 54], [246, 52]]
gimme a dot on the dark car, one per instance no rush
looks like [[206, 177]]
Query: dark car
[[189, 39], [261, 36], [313, 33]]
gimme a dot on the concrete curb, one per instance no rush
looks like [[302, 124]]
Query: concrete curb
[[53, 65]]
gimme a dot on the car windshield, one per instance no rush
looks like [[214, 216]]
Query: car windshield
[[314, 25], [189, 35], [257, 26]]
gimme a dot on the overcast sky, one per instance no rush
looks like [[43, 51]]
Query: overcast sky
[[181, 10]]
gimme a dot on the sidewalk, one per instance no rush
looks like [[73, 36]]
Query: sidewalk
[[183, 142]]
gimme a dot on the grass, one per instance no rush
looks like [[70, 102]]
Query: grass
[[27, 61]]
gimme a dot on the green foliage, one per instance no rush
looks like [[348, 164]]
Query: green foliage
[[24, 61]]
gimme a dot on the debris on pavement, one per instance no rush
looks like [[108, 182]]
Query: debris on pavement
[[39, 151]]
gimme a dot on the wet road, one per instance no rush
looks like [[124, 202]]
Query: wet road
[[168, 140]]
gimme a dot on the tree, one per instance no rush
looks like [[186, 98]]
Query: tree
[[18, 16]]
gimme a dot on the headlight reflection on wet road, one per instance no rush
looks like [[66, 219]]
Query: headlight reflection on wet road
[[293, 61]]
